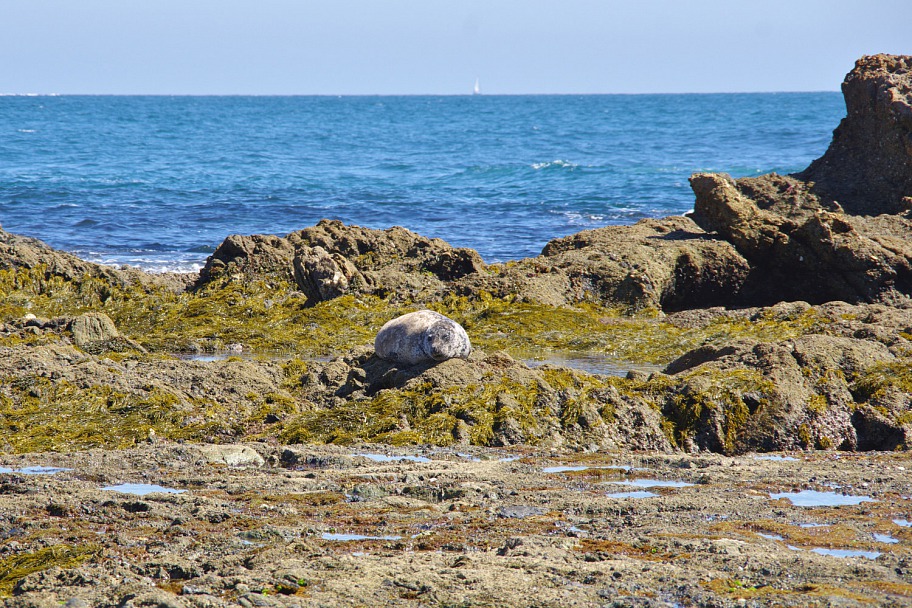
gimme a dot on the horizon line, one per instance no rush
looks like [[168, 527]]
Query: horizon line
[[783, 92]]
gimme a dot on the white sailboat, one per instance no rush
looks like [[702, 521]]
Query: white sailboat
[[477, 89]]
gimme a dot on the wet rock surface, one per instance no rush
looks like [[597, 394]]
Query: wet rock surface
[[333, 526]]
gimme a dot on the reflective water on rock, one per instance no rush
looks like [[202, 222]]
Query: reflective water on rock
[[634, 494], [141, 489], [591, 363], [566, 468], [652, 483], [813, 498], [387, 458], [563, 469], [36, 470], [770, 536], [776, 458], [885, 538], [847, 553], [350, 537], [905, 523]]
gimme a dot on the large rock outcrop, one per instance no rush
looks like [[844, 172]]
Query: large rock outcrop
[[330, 259], [839, 230], [868, 166], [802, 248], [667, 264], [670, 263]]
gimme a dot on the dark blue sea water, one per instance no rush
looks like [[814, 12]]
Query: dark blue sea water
[[158, 182]]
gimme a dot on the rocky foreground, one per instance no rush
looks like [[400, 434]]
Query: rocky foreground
[[775, 317]]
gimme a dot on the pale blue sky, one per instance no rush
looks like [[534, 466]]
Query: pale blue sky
[[440, 47]]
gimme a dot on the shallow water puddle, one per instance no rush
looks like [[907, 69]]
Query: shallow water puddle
[[905, 523], [591, 363], [652, 483], [634, 494], [385, 458], [885, 538], [141, 489], [37, 470], [776, 458], [813, 498], [770, 536], [246, 355], [843, 553], [566, 468], [350, 537]]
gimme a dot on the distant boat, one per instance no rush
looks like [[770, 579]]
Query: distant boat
[[477, 89]]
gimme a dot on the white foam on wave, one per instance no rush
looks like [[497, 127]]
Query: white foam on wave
[[26, 130], [577, 218], [153, 266], [555, 163]]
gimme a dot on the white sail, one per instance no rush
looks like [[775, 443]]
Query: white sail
[[477, 89]]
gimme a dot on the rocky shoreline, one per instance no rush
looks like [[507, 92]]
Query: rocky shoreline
[[778, 316]]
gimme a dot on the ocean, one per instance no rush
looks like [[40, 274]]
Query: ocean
[[158, 182]]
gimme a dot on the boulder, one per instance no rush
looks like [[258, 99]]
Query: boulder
[[802, 248], [795, 394], [667, 264], [321, 276], [258, 255], [92, 327]]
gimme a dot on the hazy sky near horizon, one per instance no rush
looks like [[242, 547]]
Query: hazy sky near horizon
[[440, 46]]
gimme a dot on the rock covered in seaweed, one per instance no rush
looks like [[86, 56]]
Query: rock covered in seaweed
[[483, 400], [22, 252]]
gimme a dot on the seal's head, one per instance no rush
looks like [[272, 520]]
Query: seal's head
[[446, 340]]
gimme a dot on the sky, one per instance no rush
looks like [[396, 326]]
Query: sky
[[390, 47]]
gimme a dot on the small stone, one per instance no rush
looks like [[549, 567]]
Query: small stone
[[232, 455]]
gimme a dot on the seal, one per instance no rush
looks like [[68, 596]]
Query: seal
[[422, 337]]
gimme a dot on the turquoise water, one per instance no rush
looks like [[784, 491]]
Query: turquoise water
[[158, 182]]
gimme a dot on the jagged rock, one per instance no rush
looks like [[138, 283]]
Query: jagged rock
[[394, 262], [800, 248], [668, 264], [795, 394], [255, 255], [322, 276], [868, 166], [884, 426]]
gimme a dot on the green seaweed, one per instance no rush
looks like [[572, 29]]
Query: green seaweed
[[875, 381], [708, 393], [424, 414], [16, 567], [274, 317]]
